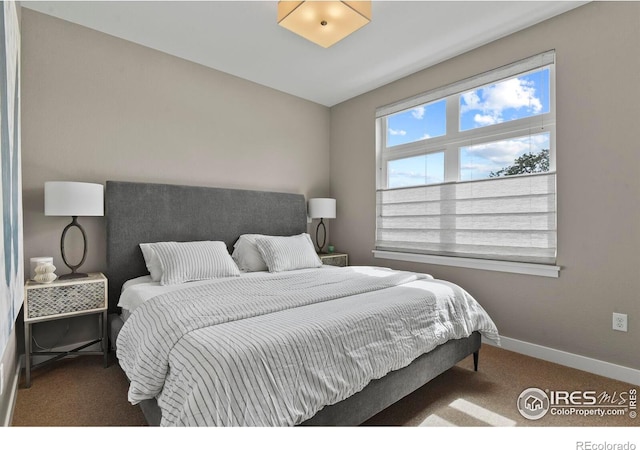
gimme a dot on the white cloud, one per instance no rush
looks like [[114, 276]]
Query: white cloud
[[425, 136], [402, 178], [418, 113], [483, 120], [393, 132], [471, 102], [503, 153], [483, 168], [406, 173], [493, 100]]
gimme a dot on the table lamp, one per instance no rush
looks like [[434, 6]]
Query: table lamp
[[322, 208], [70, 198]]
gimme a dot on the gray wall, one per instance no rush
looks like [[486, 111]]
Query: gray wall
[[598, 161], [97, 107]]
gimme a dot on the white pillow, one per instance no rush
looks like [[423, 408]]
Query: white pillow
[[191, 261], [152, 262], [282, 253], [246, 254]]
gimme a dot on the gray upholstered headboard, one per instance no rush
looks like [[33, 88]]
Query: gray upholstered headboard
[[144, 212]]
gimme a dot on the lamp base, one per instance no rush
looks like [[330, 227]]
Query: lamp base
[[72, 275], [324, 235]]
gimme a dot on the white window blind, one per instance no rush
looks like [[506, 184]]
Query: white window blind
[[508, 219]]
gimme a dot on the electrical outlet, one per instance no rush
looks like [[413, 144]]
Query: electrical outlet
[[619, 322]]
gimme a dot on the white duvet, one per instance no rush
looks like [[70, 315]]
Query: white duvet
[[273, 349]]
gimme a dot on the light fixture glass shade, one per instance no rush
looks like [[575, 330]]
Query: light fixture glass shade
[[324, 22], [322, 208], [70, 198]]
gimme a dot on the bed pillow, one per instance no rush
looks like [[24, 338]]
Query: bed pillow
[[283, 253], [246, 254], [191, 261], [152, 262]]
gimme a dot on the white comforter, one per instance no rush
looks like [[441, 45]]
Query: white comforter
[[275, 349]]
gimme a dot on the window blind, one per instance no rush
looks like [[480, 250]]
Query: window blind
[[508, 219]]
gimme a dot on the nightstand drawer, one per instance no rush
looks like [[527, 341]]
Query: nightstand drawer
[[65, 297]]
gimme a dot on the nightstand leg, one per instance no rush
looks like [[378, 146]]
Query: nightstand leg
[[27, 354], [105, 340]]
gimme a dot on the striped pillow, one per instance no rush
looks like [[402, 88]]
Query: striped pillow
[[282, 253], [191, 261], [152, 262], [246, 254]]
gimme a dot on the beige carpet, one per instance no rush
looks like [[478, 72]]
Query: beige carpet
[[80, 392], [462, 397], [76, 392]]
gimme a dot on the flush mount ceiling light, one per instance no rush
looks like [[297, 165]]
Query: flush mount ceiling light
[[324, 22]]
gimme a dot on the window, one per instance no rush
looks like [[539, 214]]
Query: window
[[416, 170], [468, 170], [419, 123]]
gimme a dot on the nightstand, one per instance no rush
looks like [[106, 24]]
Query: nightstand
[[334, 259], [62, 299]]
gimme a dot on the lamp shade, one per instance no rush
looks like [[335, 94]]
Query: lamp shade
[[70, 198], [322, 208]]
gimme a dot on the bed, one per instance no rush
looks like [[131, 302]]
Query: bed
[[297, 351]]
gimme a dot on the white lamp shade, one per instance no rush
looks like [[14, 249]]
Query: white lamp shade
[[70, 198], [322, 208]]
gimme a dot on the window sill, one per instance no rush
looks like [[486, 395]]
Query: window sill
[[540, 270]]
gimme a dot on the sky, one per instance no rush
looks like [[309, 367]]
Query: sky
[[515, 98]]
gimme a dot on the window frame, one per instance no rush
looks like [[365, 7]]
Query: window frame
[[454, 139]]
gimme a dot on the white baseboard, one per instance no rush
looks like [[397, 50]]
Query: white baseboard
[[13, 395], [595, 366]]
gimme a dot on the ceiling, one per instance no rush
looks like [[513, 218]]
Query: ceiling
[[242, 38]]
